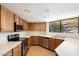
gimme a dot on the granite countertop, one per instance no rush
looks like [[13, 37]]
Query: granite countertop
[[4, 48], [69, 47], [49, 36]]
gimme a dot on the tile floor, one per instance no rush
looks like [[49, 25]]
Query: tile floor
[[39, 51]]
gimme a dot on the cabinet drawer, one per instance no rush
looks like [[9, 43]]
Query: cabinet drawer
[[45, 42]]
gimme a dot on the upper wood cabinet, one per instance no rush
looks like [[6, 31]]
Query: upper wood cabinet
[[17, 19], [25, 25], [10, 21], [21, 21], [7, 20], [0, 17], [37, 26]]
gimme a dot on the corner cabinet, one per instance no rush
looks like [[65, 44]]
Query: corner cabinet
[[25, 25], [54, 43], [58, 42], [6, 20]]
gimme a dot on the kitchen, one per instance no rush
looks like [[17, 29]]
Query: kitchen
[[31, 29]]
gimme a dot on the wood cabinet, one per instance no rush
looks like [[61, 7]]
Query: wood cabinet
[[7, 20], [37, 26], [52, 44], [49, 43], [14, 52], [17, 51], [0, 17], [17, 19], [25, 25], [9, 53], [45, 42], [21, 21], [58, 42], [35, 40]]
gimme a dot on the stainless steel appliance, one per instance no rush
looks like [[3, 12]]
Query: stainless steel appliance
[[13, 37], [18, 27]]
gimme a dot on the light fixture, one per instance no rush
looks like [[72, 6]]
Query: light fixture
[[26, 10], [47, 10]]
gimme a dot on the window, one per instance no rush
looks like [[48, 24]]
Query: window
[[69, 25], [54, 26]]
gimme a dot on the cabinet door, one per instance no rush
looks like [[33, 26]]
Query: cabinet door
[[52, 44], [17, 19], [10, 21], [45, 42], [58, 42], [20, 21], [17, 51], [25, 25], [8, 53], [35, 40], [7, 20], [3, 19]]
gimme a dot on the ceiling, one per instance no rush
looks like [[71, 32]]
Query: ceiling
[[44, 12]]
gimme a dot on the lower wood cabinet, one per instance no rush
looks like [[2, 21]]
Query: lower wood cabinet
[[49, 43], [34, 40], [44, 42], [9, 53], [52, 44], [14, 52], [58, 42], [17, 51]]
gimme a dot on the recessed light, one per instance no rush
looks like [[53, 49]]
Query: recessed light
[[47, 10], [26, 10]]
